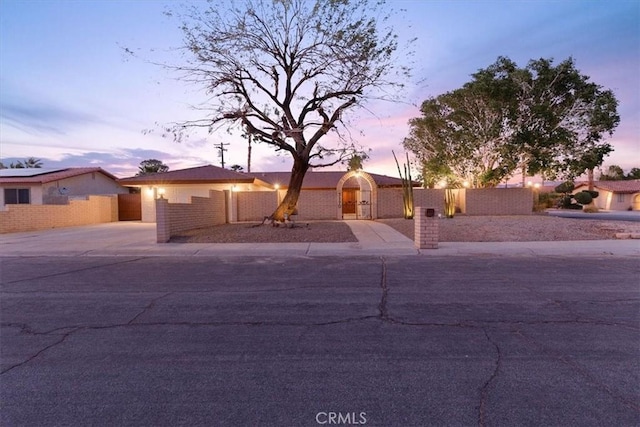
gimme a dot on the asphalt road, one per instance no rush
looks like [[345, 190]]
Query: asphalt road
[[413, 341]]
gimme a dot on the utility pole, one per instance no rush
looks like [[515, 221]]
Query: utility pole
[[221, 150]]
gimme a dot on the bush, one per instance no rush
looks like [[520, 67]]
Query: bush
[[565, 187], [565, 202], [574, 206], [583, 197], [590, 209], [594, 194]]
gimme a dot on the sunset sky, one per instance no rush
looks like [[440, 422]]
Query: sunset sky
[[71, 97]]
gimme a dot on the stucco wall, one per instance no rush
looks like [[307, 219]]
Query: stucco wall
[[613, 201], [95, 210], [93, 183], [35, 193]]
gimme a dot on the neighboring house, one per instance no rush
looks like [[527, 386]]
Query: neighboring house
[[615, 195], [45, 186], [324, 193]]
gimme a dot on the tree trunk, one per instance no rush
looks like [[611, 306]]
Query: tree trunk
[[590, 178], [249, 156], [290, 200]]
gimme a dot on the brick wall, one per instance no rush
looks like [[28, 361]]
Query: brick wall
[[499, 201], [390, 203], [201, 212], [312, 204], [95, 210], [430, 198], [255, 205], [318, 204], [485, 201]]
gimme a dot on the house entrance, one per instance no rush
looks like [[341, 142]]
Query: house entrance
[[357, 193], [349, 201]]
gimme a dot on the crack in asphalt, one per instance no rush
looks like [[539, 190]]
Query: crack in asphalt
[[581, 371], [29, 359], [484, 391], [64, 332], [63, 273], [148, 307], [382, 306]]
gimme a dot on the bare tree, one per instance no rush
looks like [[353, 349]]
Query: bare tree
[[287, 71]]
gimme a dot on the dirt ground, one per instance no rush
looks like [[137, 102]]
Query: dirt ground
[[529, 228], [250, 232], [458, 229]]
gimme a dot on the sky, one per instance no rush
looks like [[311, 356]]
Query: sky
[[70, 96]]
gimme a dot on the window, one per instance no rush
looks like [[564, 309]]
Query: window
[[621, 198], [16, 196]]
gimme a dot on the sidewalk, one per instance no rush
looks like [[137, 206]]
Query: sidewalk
[[374, 238]]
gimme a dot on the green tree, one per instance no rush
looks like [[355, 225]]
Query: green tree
[[356, 161], [236, 168], [542, 119], [150, 166], [613, 173], [31, 162], [288, 71], [634, 173]]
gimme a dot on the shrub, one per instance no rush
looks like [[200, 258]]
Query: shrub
[[583, 197], [590, 209], [565, 187]]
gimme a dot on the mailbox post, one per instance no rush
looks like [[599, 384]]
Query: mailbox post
[[426, 228]]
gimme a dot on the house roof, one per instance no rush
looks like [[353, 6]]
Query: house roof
[[199, 175], [622, 187], [213, 174], [324, 179], [43, 176]]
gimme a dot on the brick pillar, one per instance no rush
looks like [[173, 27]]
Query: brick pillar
[[426, 228], [163, 222]]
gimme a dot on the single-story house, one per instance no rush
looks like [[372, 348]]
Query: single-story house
[[47, 186], [329, 194], [615, 195]]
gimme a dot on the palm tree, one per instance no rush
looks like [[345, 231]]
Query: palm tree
[[32, 162]]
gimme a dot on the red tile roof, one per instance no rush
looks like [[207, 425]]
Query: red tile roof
[[199, 175], [622, 187], [50, 176], [213, 174], [323, 179]]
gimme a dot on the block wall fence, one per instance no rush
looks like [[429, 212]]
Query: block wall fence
[[226, 206], [94, 210], [172, 218]]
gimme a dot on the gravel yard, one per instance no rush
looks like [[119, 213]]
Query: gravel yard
[[249, 232], [458, 229], [529, 228]]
